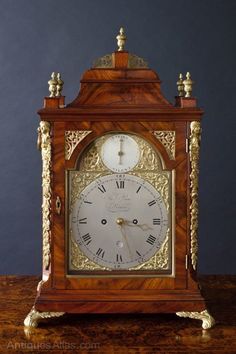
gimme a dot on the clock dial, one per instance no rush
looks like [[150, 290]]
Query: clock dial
[[119, 221], [120, 153]]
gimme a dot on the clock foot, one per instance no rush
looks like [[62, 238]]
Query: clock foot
[[207, 320], [34, 317]]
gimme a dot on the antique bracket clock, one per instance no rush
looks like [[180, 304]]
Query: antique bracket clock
[[120, 190]]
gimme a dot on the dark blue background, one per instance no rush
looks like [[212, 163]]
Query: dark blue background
[[38, 37]]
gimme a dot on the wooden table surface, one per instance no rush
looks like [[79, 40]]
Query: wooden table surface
[[120, 334]]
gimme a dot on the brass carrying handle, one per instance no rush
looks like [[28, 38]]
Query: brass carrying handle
[[58, 205]]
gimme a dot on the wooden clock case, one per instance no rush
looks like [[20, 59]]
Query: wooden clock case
[[119, 96]]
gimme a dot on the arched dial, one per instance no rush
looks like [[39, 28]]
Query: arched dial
[[120, 153], [119, 221]]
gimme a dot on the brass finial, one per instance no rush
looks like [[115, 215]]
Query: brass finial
[[53, 85], [188, 85], [60, 83], [121, 38], [180, 86]]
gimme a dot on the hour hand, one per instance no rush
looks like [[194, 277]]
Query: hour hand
[[143, 227], [120, 154]]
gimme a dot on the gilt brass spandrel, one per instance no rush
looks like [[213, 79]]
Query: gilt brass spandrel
[[91, 160], [160, 260], [161, 181], [149, 159], [72, 139], [79, 261], [79, 181], [167, 138]]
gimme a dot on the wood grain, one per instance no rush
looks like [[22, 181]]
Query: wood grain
[[120, 334]]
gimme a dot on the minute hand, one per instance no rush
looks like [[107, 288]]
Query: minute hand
[[120, 153], [125, 239]]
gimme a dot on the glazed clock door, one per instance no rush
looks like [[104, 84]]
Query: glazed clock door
[[121, 209], [123, 213]]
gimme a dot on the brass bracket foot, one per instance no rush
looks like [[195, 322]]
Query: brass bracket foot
[[207, 320], [34, 317]]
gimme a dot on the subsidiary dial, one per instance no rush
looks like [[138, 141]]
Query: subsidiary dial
[[120, 153]]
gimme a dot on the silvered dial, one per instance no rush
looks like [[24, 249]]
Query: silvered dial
[[120, 153], [119, 221]]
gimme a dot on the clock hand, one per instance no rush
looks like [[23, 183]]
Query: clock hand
[[120, 222], [143, 227], [120, 153]]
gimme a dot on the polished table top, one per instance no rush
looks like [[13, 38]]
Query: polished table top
[[136, 333]]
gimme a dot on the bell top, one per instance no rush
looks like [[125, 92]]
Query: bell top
[[122, 80]]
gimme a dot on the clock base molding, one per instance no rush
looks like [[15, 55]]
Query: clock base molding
[[103, 307], [192, 309], [34, 317], [56, 303], [64, 301]]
